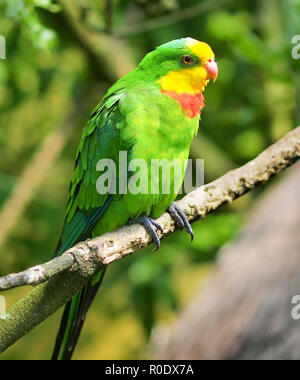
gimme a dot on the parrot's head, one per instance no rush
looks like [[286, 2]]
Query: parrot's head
[[182, 68]]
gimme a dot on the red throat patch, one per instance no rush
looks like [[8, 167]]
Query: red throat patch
[[191, 104]]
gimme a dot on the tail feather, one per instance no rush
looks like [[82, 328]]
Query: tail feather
[[78, 229], [74, 317]]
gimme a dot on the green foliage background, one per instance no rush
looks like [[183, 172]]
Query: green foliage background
[[52, 70]]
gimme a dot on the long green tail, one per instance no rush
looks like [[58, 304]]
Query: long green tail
[[73, 319], [78, 229]]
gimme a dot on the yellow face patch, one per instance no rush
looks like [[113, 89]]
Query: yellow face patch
[[201, 49], [190, 81]]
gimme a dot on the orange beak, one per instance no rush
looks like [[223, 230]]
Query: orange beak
[[212, 69]]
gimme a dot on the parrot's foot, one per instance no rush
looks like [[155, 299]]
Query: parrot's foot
[[180, 218], [151, 226]]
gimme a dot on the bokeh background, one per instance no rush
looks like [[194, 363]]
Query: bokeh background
[[62, 56]]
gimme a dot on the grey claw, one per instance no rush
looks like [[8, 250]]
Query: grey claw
[[151, 226], [156, 225], [180, 218]]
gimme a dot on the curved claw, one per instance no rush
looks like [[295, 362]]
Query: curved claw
[[180, 218], [151, 226]]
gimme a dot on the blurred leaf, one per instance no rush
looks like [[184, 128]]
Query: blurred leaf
[[228, 27], [248, 144], [14, 8]]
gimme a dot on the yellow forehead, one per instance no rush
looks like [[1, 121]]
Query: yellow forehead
[[201, 49]]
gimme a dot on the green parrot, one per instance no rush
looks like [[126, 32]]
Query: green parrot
[[151, 113]]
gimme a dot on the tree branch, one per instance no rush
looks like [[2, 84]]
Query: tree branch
[[63, 277], [169, 19]]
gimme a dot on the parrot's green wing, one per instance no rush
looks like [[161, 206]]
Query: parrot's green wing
[[101, 139], [86, 205]]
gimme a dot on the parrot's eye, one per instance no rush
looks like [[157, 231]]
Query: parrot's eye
[[187, 59]]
